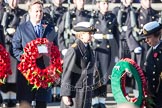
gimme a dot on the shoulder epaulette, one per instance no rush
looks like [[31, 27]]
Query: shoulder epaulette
[[74, 45]]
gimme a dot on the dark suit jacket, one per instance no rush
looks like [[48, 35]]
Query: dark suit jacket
[[24, 34]]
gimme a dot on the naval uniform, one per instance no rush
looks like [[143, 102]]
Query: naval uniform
[[153, 73]]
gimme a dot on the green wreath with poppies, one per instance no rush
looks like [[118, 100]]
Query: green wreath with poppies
[[118, 82]]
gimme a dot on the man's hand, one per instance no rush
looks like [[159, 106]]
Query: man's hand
[[66, 100]]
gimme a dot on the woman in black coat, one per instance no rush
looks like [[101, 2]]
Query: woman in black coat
[[153, 69]]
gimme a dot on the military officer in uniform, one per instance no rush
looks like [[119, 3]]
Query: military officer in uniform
[[145, 14], [153, 69], [128, 39], [78, 68], [106, 51], [10, 21], [70, 18]]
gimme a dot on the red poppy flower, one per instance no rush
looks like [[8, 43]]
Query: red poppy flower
[[36, 76], [5, 69], [155, 55]]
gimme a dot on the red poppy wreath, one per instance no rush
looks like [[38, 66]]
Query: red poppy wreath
[[28, 66], [5, 69]]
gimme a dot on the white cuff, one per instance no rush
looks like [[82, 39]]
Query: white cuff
[[138, 50], [64, 52]]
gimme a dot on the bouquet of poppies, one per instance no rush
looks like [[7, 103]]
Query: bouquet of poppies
[[36, 76], [5, 69]]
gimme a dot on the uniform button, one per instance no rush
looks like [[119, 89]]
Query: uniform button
[[87, 77], [97, 22], [160, 52], [157, 59], [97, 30], [154, 72], [109, 22], [74, 18], [153, 86], [98, 45], [153, 79], [109, 30], [154, 66], [108, 46], [141, 25], [153, 17]]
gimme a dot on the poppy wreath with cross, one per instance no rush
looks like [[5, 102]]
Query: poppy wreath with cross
[[5, 69], [118, 78], [36, 76]]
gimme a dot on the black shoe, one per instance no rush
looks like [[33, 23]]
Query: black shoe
[[11, 103], [57, 98], [102, 105], [4, 105], [96, 106]]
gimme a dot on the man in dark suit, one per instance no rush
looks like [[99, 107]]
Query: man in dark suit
[[25, 33], [153, 69]]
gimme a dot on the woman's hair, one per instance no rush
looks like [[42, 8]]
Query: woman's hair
[[158, 33]]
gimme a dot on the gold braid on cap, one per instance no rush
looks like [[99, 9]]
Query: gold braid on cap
[[144, 31]]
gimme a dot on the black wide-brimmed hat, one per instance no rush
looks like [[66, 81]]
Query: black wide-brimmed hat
[[84, 27], [151, 28]]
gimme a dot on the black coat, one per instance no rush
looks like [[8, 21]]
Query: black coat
[[24, 34], [77, 77], [153, 73], [106, 50]]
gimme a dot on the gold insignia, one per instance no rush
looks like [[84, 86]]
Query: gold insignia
[[74, 45], [144, 32]]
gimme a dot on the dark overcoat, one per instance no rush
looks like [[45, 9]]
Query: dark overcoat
[[77, 76], [24, 34], [106, 49], [153, 73]]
